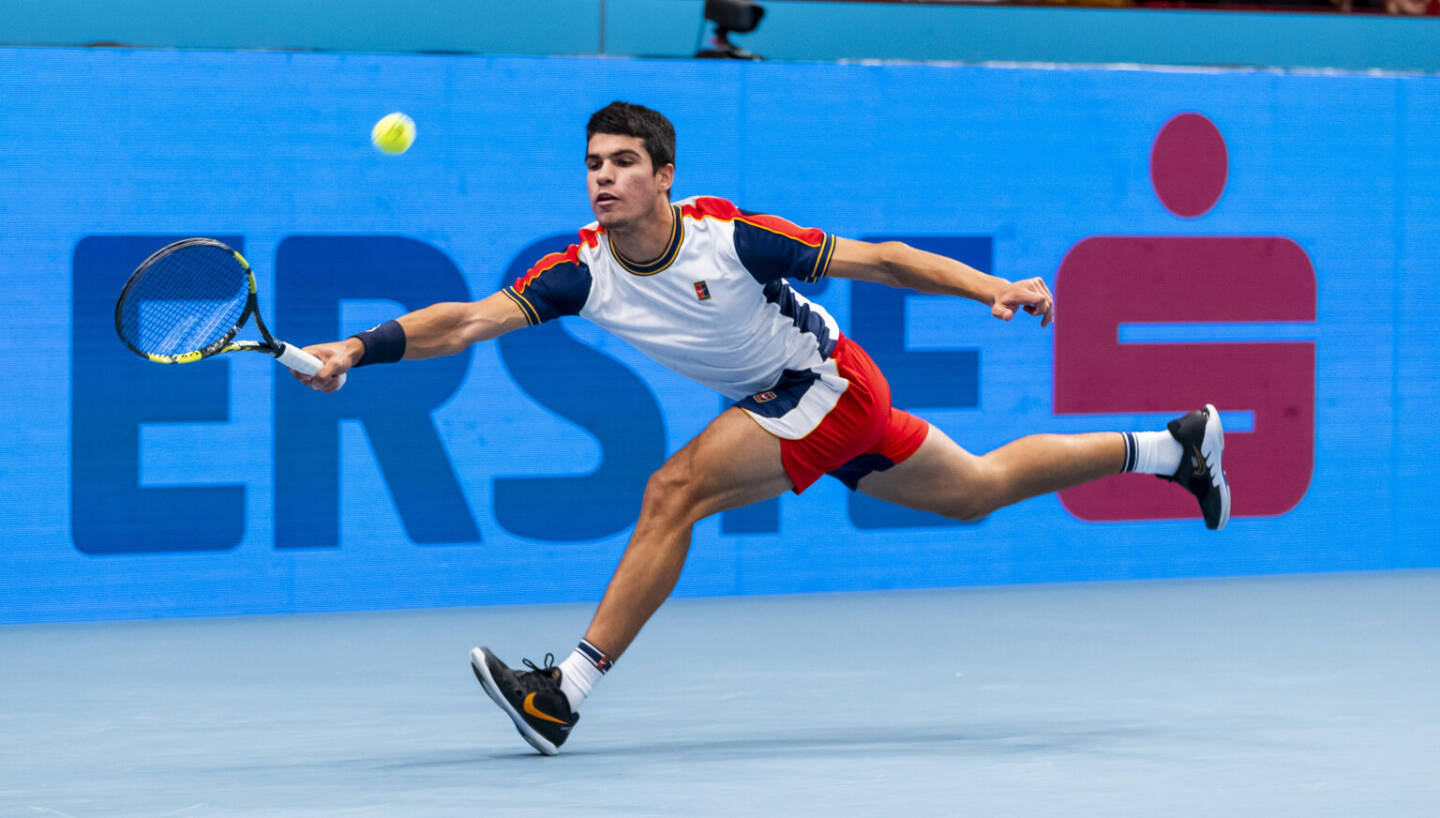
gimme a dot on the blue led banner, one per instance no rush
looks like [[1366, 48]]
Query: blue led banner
[[1267, 242]]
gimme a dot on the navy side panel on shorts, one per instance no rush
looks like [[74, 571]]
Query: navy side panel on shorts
[[854, 471], [783, 397]]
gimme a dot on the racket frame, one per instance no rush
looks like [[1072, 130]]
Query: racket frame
[[226, 342]]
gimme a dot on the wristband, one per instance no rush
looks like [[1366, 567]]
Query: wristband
[[384, 343]]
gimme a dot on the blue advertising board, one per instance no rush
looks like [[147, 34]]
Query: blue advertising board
[[1265, 241]]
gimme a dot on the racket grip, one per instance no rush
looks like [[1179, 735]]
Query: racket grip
[[301, 361]]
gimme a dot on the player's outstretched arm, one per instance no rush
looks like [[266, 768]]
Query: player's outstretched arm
[[436, 330], [897, 264]]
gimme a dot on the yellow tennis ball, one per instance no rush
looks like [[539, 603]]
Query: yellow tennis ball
[[394, 133]]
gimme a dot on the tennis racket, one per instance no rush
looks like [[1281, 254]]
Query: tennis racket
[[188, 300]]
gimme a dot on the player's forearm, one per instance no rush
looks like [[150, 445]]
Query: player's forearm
[[936, 274], [445, 329], [437, 330]]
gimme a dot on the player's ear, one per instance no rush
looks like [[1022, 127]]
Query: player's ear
[[665, 177]]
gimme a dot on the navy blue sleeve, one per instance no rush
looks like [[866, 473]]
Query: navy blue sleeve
[[772, 248], [557, 285]]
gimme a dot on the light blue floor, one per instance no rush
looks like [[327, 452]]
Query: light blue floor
[[1304, 696]]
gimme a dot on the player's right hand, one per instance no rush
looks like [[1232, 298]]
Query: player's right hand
[[337, 357], [1029, 294]]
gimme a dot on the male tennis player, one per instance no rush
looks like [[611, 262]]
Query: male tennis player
[[701, 287]]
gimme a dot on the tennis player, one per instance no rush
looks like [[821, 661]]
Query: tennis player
[[702, 287]]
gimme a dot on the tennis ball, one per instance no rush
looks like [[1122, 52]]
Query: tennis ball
[[394, 133]]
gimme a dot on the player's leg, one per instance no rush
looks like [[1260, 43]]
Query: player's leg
[[732, 463], [944, 478]]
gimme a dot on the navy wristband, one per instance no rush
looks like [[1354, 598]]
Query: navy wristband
[[384, 343]]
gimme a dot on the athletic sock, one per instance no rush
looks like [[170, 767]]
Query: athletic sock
[[1152, 452], [581, 671]]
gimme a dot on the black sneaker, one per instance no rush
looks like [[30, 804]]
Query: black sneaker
[[532, 699], [1200, 471]]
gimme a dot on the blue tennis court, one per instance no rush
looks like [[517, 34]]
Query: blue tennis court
[[1262, 696]]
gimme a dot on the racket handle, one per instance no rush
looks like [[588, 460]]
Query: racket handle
[[300, 360]]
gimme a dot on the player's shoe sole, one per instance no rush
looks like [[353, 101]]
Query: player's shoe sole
[[480, 662]]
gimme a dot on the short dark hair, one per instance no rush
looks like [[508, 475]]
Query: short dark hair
[[636, 120]]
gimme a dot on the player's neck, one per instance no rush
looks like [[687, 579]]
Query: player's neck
[[644, 240]]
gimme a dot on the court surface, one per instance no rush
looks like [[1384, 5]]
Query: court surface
[[1305, 696]]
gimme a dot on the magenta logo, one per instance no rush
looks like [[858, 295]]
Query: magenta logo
[[1209, 282], [1188, 165]]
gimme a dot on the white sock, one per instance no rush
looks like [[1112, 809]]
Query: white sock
[[581, 671], [1152, 452]]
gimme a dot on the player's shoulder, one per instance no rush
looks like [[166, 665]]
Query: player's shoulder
[[589, 241], [700, 208], [723, 210], [590, 235], [580, 253]]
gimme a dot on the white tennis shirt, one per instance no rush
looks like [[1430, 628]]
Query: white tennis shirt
[[714, 307]]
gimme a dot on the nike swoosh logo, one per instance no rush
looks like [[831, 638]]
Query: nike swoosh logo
[[1201, 467], [532, 710]]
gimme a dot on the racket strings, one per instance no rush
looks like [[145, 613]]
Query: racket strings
[[185, 301]]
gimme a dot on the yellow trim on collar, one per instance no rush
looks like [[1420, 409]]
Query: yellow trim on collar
[[666, 257]]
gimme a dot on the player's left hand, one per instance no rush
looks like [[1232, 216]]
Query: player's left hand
[[1030, 294]]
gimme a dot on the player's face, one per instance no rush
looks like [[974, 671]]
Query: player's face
[[624, 185]]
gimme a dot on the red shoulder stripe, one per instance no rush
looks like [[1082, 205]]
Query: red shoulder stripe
[[570, 256], [717, 208], [591, 237], [711, 206], [812, 236]]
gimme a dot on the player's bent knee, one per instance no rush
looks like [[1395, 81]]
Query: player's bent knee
[[975, 499], [966, 510], [668, 493]]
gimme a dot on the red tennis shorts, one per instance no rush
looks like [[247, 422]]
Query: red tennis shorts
[[862, 434]]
